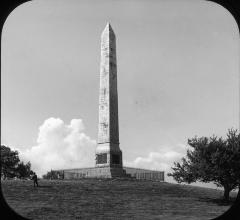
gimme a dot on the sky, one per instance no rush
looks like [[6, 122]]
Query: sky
[[178, 77]]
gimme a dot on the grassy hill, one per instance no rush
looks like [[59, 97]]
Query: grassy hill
[[112, 199]]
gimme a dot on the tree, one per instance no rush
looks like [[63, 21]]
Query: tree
[[48, 175], [11, 165], [24, 170], [9, 162], [211, 160], [54, 175]]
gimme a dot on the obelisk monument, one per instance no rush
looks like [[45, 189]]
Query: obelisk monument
[[108, 153]]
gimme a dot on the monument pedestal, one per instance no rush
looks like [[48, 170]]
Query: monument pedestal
[[109, 161], [110, 172]]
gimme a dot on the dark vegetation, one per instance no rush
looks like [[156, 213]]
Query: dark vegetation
[[211, 160], [113, 199], [53, 175], [11, 166]]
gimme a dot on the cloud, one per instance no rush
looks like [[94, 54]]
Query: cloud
[[60, 146], [161, 160]]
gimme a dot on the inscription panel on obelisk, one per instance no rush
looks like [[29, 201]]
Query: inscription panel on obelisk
[[108, 152]]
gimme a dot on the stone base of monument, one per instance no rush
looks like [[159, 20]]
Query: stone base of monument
[[110, 172]]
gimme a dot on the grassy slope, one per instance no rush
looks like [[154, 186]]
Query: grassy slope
[[112, 199]]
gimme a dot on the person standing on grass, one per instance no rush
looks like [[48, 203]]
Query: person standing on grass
[[34, 178]]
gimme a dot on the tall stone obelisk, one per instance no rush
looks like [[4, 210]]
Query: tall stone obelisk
[[108, 153]]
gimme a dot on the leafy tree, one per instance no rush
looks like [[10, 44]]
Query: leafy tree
[[47, 176], [9, 162], [11, 165], [211, 160], [53, 175], [24, 170]]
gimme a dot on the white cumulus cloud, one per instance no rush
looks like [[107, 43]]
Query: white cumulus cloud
[[161, 160], [60, 146]]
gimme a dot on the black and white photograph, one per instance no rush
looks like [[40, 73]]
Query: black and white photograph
[[120, 109]]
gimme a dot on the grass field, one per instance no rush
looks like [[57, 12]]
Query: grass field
[[112, 199]]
